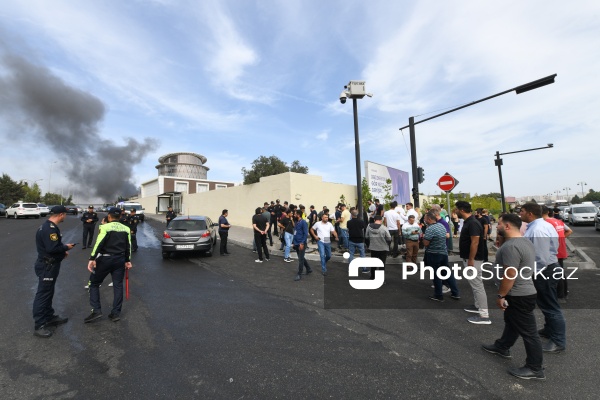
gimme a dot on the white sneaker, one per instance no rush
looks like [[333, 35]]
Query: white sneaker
[[479, 320], [86, 286], [110, 284], [446, 289], [258, 261]]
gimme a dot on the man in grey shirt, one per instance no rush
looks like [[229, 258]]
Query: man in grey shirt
[[517, 298]]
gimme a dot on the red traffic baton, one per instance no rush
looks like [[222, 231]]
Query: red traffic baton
[[127, 283]]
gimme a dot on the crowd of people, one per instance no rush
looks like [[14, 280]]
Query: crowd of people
[[531, 251]]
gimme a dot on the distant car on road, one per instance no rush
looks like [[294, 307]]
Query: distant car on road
[[582, 214], [71, 210], [23, 209], [44, 210], [186, 234]]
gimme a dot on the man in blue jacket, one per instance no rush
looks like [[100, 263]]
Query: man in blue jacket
[[299, 243]]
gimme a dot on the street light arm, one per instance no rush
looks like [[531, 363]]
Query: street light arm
[[522, 151], [519, 89]]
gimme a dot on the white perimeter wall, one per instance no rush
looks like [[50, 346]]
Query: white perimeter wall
[[241, 201]]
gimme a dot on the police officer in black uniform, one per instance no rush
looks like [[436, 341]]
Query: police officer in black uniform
[[132, 221], [89, 219], [171, 215], [51, 251], [111, 255]]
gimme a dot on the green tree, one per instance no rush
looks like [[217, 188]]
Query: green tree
[[298, 168], [366, 193], [388, 197], [267, 166], [592, 196], [32, 193], [10, 191], [576, 200]]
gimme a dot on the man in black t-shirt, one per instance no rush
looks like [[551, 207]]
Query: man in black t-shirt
[[471, 247], [261, 227], [485, 223], [356, 236]]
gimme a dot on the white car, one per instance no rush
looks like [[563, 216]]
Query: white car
[[23, 210], [582, 214], [44, 210]]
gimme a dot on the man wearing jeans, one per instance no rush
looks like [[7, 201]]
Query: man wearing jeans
[[287, 227], [344, 218], [545, 241], [356, 239], [299, 242], [322, 232], [436, 256], [392, 219], [471, 244], [516, 297]]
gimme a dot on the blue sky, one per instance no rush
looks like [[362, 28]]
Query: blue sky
[[234, 80]]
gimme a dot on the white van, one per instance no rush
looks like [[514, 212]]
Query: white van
[[582, 214], [128, 206]]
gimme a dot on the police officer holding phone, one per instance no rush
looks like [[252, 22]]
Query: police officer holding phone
[[51, 251]]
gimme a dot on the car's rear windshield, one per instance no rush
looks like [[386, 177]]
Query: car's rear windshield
[[187, 225], [42, 205], [30, 205], [128, 207], [583, 210]]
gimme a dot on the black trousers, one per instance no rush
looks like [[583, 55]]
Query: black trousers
[[562, 289], [223, 246], [42, 304], [261, 245], [115, 266], [302, 263], [88, 231], [134, 245], [382, 255], [519, 320], [273, 223], [395, 234]]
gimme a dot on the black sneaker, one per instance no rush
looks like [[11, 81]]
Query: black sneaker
[[114, 317], [42, 332], [457, 297], [92, 317], [492, 348], [56, 320], [297, 278], [309, 272], [441, 300], [527, 373]]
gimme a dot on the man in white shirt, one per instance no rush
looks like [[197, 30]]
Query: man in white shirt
[[391, 219], [371, 212], [411, 211], [411, 232], [403, 220], [322, 232]]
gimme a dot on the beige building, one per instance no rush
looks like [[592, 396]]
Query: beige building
[[241, 201]]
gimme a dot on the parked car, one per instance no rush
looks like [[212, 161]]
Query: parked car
[[44, 210], [22, 209], [189, 233], [128, 206], [582, 214], [561, 213], [71, 210], [2, 209]]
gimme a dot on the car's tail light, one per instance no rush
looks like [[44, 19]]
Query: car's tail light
[[166, 235], [206, 234]]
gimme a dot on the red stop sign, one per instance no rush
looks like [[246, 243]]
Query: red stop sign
[[447, 182]]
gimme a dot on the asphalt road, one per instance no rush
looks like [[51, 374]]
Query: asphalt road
[[226, 327]]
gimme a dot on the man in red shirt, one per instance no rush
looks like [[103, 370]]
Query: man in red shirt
[[563, 233]]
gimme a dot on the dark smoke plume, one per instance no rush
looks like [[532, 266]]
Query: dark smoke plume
[[66, 119]]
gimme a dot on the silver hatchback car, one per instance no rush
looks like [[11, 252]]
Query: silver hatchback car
[[189, 233]]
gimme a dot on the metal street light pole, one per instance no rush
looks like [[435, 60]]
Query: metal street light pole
[[50, 177], [582, 183], [498, 162], [567, 190], [411, 123], [356, 90]]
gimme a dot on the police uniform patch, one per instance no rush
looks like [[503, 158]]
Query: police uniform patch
[[53, 237]]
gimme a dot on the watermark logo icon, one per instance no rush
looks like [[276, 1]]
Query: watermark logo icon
[[366, 284]]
